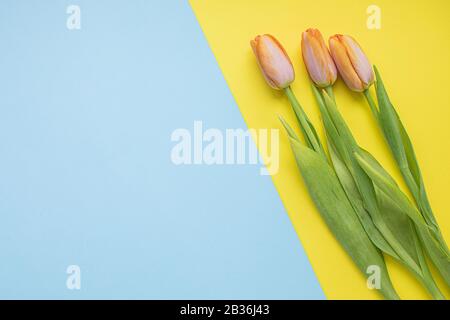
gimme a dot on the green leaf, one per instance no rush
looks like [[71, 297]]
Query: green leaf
[[308, 130], [385, 183], [427, 235], [346, 146], [390, 231], [403, 151], [355, 199], [289, 130], [337, 212], [405, 229], [389, 124]]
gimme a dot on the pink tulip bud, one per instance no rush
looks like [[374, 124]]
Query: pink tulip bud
[[352, 63], [273, 61], [320, 65]]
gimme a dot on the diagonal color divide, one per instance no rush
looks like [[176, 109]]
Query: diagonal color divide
[[407, 35]]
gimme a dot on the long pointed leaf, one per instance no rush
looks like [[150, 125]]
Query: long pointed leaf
[[333, 205]]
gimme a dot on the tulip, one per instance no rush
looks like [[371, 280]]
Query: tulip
[[279, 73], [273, 61], [317, 58], [352, 63]]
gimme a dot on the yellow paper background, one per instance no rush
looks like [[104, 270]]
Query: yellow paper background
[[412, 50]]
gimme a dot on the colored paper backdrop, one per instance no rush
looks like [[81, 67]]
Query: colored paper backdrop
[[86, 177], [411, 48]]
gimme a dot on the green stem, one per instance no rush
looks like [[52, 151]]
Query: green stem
[[398, 143], [428, 282], [426, 278], [305, 124], [330, 93], [371, 102]]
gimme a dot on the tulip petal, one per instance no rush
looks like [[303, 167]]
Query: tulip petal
[[317, 59], [344, 64], [332, 72], [274, 62], [359, 61]]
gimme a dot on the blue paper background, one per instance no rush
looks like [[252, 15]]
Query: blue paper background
[[85, 170]]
